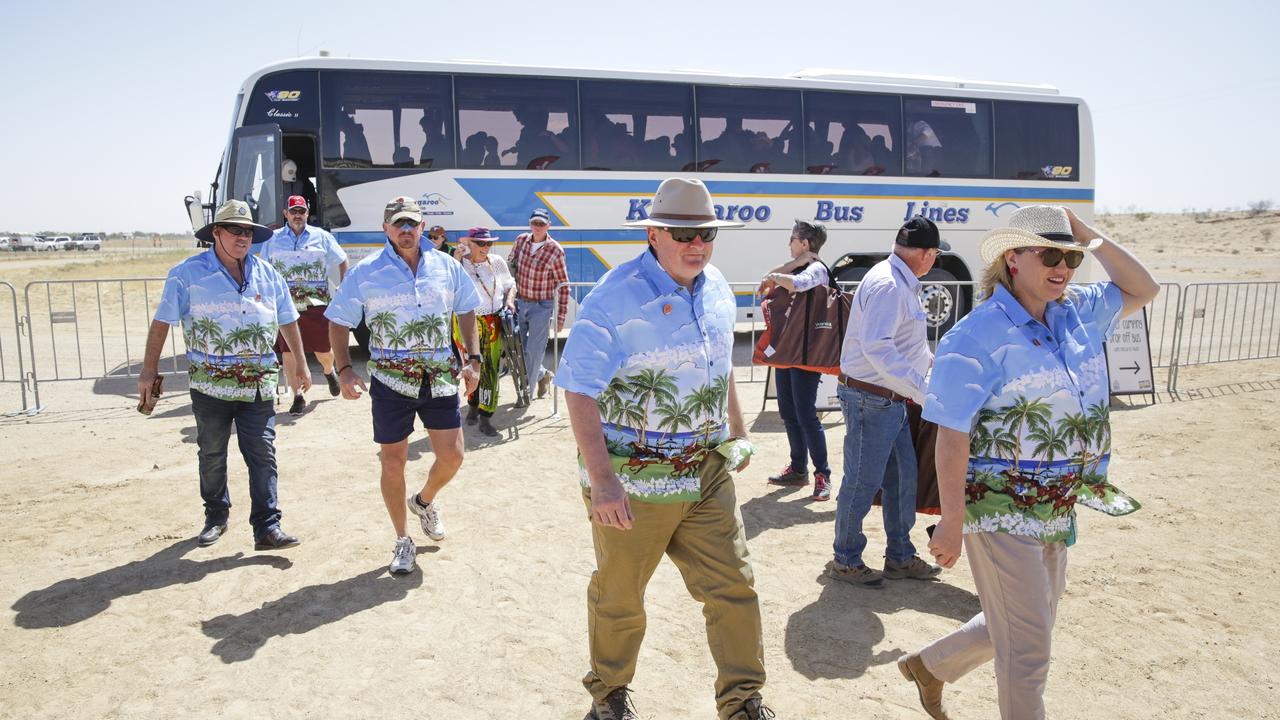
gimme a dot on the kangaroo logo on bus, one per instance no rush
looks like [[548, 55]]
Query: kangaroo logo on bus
[[284, 95], [741, 213], [1057, 171]]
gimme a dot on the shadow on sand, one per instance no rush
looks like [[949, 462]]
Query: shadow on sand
[[74, 600]]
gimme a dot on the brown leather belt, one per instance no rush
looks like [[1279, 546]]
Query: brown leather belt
[[873, 389]]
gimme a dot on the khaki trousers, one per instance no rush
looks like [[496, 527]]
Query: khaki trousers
[[705, 540], [1019, 580]]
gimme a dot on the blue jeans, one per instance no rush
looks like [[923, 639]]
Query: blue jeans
[[535, 326], [878, 455], [255, 433], [797, 396]]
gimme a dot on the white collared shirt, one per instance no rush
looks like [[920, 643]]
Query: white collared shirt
[[885, 343]]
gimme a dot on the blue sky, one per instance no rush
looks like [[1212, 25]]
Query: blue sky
[[125, 106]]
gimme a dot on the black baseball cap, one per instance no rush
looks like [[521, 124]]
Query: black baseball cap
[[920, 232]]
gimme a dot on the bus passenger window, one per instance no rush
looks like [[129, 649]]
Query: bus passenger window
[[1037, 141], [947, 138], [748, 130], [630, 125], [517, 122], [387, 120], [861, 128]]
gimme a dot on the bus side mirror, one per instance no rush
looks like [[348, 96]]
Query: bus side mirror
[[195, 211]]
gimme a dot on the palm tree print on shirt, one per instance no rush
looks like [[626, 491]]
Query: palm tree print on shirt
[[648, 403]]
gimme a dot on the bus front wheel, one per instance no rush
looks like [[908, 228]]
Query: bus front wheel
[[943, 301]]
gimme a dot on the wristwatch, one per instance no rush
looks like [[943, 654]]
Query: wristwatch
[[475, 357]]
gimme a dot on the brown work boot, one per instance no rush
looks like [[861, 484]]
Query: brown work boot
[[755, 709], [615, 706], [913, 568], [855, 575], [789, 478], [544, 383], [928, 687]]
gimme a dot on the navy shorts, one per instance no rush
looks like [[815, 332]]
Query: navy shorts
[[393, 413]]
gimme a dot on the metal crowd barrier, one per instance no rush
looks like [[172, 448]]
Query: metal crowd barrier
[[89, 329], [11, 361], [1225, 322]]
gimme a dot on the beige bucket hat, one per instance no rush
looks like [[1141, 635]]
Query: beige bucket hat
[[234, 212], [1033, 226], [685, 203]]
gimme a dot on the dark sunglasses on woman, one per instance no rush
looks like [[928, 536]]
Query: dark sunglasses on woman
[[1052, 256], [686, 235]]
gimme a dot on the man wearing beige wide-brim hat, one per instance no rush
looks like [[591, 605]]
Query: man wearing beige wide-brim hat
[[648, 375], [230, 305]]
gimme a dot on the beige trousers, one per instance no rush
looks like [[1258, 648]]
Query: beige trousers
[[706, 541], [1019, 580]]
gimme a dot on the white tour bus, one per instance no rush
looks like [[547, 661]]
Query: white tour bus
[[481, 144]]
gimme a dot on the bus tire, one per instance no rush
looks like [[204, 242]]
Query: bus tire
[[943, 304]]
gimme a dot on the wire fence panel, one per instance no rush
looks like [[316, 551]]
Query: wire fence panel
[[13, 374], [1162, 324], [1226, 322], [88, 329]]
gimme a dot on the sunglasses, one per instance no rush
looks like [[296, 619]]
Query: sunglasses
[[686, 235], [1052, 256], [297, 211], [237, 230], [406, 226], [481, 243]]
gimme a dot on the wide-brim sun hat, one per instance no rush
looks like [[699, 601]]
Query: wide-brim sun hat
[[1033, 226], [684, 203], [234, 212]]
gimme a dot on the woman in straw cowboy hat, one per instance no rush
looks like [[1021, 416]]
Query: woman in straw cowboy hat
[[1020, 394]]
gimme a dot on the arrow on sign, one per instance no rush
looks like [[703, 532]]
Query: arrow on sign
[[1135, 367]]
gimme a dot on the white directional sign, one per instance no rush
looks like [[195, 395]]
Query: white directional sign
[[1129, 357]]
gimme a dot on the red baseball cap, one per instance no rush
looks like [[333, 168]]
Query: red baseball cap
[[296, 201]]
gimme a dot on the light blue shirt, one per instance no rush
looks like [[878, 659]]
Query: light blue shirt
[[885, 343], [810, 277], [409, 313], [229, 333], [656, 359], [309, 263], [1034, 400]]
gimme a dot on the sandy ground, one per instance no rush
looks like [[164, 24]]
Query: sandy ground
[[111, 611]]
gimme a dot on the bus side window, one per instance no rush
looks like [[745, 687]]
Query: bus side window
[[948, 137], [749, 129], [1037, 141], [531, 121], [630, 125], [861, 127]]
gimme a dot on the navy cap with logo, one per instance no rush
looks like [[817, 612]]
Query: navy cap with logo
[[540, 214], [920, 232]]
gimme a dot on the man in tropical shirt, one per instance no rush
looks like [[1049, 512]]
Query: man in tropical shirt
[[231, 305], [648, 377], [409, 294], [313, 264]]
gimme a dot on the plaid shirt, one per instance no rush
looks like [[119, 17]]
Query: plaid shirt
[[538, 273]]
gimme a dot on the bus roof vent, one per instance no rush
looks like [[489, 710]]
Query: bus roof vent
[[934, 81]]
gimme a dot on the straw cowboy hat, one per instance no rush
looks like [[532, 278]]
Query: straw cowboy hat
[[1032, 226], [234, 212], [684, 203]]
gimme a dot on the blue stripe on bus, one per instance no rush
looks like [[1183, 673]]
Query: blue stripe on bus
[[509, 200]]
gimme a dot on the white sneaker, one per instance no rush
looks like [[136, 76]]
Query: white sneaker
[[402, 561], [432, 523]]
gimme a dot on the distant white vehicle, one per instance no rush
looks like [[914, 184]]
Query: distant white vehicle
[[45, 244], [87, 241], [22, 242]]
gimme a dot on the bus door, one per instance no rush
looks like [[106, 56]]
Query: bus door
[[254, 172]]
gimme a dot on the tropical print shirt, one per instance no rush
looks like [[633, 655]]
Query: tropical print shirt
[[228, 331], [409, 312], [656, 359], [1034, 400], [309, 263]]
